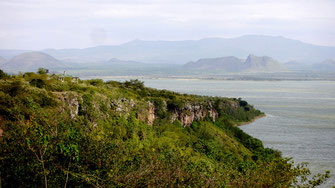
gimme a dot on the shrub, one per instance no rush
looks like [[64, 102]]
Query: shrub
[[243, 103], [3, 75], [37, 83], [95, 82], [134, 84], [42, 71]]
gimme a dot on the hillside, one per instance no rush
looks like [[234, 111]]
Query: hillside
[[8, 54], [233, 64], [263, 64], [65, 132], [2, 60], [120, 67], [327, 66], [225, 64], [31, 61]]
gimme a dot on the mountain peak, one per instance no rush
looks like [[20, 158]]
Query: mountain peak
[[31, 61], [34, 54], [254, 57], [263, 63]]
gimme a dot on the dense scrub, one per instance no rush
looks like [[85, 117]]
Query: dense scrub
[[57, 131]]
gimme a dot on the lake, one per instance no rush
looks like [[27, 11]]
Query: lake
[[300, 115]]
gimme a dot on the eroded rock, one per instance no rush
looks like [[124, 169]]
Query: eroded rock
[[71, 101], [151, 114]]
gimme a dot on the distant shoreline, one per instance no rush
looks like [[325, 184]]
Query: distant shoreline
[[106, 78], [250, 121]]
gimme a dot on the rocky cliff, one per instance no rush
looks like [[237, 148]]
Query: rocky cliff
[[146, 110], [194, 111]]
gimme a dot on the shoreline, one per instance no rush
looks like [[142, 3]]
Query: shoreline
[[250, 121], [214, 78]]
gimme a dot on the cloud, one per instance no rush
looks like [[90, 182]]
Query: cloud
[[62, 23]]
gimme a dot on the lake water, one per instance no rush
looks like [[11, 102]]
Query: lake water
[[300, 115]]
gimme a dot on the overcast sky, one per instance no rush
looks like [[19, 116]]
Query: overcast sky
[[40, 24]]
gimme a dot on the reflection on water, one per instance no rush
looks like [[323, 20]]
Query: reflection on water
[[300, 119]]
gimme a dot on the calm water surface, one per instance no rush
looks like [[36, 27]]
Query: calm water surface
[[300, 119]]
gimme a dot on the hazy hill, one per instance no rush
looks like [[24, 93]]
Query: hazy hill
[[2, 60], [298, 66], [31, 61], [234, 64], [226, 64], [116, 66], [8, 54], [327, 65], [263, 64], [179, 52], [114, 62]]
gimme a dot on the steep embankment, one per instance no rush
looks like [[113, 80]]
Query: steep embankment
[[60, 131]]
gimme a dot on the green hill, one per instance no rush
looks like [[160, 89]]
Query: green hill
[[57, 131]]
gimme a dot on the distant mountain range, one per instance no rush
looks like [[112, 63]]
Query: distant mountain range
[[179, 52], [234, 64], [170, 57], [31, 61]]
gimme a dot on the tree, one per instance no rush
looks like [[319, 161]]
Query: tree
[[37, 83], [42, 71], [3, 75]]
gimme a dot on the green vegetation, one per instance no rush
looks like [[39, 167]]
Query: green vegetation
[[42, 71], [57, 131]]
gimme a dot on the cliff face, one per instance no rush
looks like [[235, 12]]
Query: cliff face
[[70, 101], [147, 111], [194, 111]]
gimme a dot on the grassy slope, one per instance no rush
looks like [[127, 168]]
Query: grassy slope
[[43, 143]]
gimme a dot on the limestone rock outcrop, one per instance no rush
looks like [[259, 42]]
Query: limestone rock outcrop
[[146, 110], [194, 112], [71, 100]]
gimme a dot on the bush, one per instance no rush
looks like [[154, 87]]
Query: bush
[[95, 82], [3, 75], [176, 104], [134, 84], [243, 103], [37, 83], [42, 71]]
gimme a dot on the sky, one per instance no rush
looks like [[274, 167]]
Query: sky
[[41, 24]]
